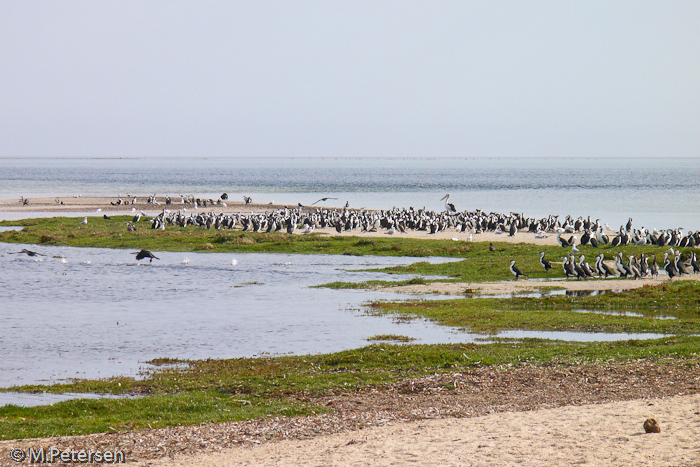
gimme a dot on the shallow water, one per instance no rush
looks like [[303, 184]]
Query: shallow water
[[24, 399], [91, 313]]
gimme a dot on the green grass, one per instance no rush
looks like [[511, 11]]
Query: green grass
[[680, 300], [113, 234], [84, 416], [238, 389], [477, 263]]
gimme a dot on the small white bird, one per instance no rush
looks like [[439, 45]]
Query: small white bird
[[186, 261], [234, 262], [99, 210], [84, 221]]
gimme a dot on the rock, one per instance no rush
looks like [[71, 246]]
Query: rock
[[650, 426]]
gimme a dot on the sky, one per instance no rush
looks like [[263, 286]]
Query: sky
[[346, 79]]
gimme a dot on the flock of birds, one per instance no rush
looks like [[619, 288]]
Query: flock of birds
[[304, 219], [633, 267]]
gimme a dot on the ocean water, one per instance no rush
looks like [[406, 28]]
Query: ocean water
[[657, 193]]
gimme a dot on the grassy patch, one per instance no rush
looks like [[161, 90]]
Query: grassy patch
[[237, 389], [84, 416], [478, 263], [599, 313]]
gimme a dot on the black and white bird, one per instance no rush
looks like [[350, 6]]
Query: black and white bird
[[145, 254], [449, 207], [669, 267], [515, 270], [545, 264]]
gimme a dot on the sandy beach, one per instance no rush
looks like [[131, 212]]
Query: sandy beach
[[593, 435]]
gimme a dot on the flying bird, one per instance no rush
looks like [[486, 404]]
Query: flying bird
[[322, 199], [145, 254], [27, 252]]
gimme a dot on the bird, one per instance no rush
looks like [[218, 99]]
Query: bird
[[145, 254], [449, 207], [322, 199], [545, 264], [562, 241], [668, 266], [186, 261], [515, 270], [491, 247], [106, 217], [130, 227], [27, 252], [234, 262], [84, 221], [603, 269]]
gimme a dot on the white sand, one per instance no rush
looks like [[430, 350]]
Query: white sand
[[591, 435]]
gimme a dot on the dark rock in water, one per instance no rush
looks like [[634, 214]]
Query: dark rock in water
[[650, 426]]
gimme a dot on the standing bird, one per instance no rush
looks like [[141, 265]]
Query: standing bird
[[654, 267], [515, 270], [545, 264], [84, 221], [602, 268], [491, 247], [449, 207], [145, 254], [668, 266]]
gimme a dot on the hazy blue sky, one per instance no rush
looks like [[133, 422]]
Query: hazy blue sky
[[350, 78]]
